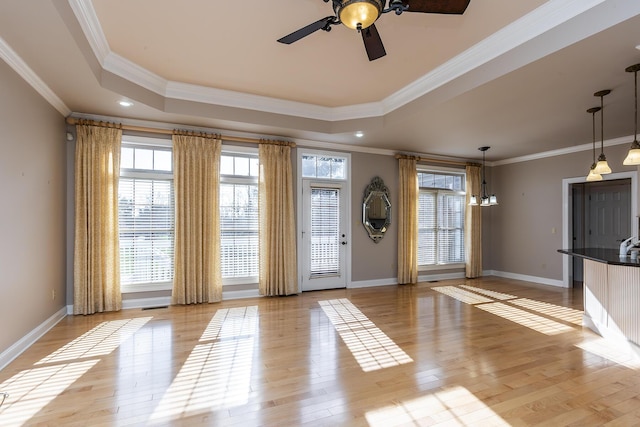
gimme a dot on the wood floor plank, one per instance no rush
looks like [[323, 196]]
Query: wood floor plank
[[283, 361]]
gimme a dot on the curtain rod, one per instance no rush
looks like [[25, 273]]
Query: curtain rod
[[430, 160], [75, 121]]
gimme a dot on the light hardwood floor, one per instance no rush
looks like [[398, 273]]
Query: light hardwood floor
[[457, 352]]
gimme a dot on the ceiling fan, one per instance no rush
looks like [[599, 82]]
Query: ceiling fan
[[361, 15]]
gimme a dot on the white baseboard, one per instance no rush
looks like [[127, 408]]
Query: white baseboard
[[441, 276], [372, 283], [146, 302], [526, 278], [26, 341], [162, 301], [249, 293]]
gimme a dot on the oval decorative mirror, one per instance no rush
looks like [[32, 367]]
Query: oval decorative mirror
[[376, 209]]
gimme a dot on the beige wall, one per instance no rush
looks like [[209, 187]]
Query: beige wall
[[370, 260], [32, 220], [518, 236]]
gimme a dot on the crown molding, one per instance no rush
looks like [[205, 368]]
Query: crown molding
[[19, 66], [537, 22], [129, 70], [561, 151], [526, 28], [90, 24]]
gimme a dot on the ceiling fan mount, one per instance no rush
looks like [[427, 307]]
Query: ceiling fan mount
[[361, 16]]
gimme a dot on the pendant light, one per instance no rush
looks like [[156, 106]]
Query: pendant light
[[633, 157], [485, 200], [592, 175], [602, 167]]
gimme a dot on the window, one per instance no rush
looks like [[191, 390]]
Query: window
[[239, 216], [146, 215], [316, 166], [441, 205]]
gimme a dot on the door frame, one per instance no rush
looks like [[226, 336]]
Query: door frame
[[567, 218], [300, 151]]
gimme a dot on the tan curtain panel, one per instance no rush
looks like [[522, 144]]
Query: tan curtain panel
[[96, 265], [473, 226], [278, 270], [408, 222], [196, 177]]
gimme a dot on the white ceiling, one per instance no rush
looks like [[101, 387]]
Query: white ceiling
[[515, 75]]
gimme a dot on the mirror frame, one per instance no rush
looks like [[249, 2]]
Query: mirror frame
[[376, 190]]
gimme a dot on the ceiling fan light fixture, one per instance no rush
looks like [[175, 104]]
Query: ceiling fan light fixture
[[359, 14]]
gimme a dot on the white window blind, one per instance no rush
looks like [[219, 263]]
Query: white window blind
[[441, 206], [325, 231], [146, 221], [239, 217], [239, 230]]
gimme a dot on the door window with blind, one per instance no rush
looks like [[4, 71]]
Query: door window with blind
[[239, 217], [325, 231], [146, 217], [441, 206]]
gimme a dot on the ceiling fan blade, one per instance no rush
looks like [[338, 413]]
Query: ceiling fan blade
[[456, 7], [305, 31], [373, 43]]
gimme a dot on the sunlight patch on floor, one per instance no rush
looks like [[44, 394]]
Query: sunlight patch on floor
[[33, 389], [462, 295], [371, 347], [217, 374], [454, 406], [525, 318], [99, 341], [559, 312], [493, 294], [612, 350]]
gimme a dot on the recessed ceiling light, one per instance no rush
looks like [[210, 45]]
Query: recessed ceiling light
[[359, 134], [125, 103]]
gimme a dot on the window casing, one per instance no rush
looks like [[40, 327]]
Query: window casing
[[441, 204], [146, 210], [239, 216]]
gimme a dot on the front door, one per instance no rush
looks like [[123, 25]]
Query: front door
[[323, 238]]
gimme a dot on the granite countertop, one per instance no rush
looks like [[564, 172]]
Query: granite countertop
[[607, 256]]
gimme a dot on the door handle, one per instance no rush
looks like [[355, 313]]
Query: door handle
[[343, 243]]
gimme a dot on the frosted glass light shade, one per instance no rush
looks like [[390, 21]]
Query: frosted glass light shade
[[593, 176], [493, 200], [473, 201], [602, 167], [363, 12], [633, 157]]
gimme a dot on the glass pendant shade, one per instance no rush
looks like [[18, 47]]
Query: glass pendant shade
[[633, 157], [359, 14], [602, 167], [473, 201], [485, 202], [493, 200], [593, 176]]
